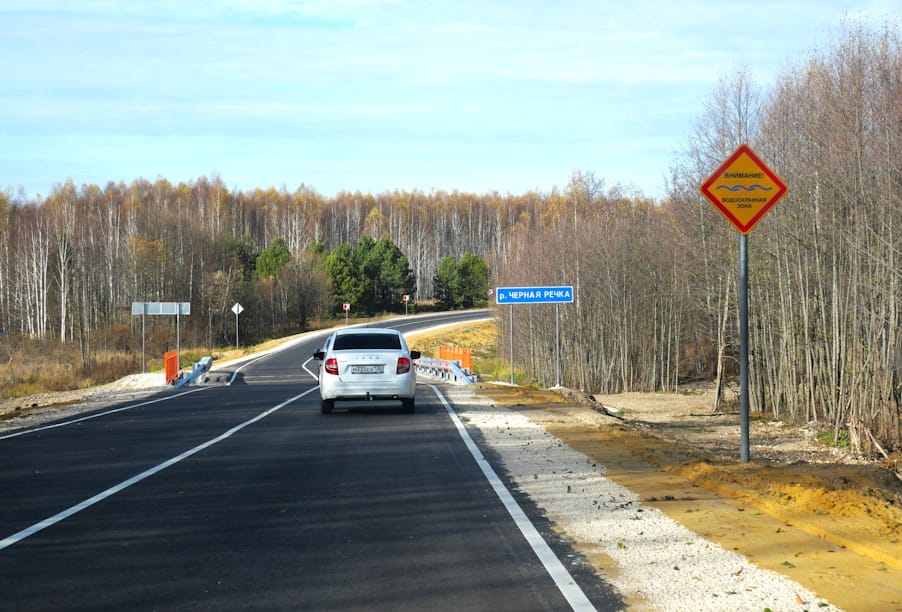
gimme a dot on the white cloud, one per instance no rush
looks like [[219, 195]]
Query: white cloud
[[492, 89]]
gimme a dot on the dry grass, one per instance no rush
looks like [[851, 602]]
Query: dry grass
[[481, 338], [33, 367], [41, 367]]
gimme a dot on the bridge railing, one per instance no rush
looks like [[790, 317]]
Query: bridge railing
[[446, 370]]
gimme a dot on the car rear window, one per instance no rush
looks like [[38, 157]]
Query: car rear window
[[346, 342]]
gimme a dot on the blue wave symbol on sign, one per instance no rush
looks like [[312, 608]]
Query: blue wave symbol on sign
[[749, 188]]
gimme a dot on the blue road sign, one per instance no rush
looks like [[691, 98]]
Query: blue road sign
[[533, 295]]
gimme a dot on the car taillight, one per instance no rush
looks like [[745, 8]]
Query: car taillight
[[331, 365], [403, 365]]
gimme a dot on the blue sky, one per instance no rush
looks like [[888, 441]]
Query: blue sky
[[377, 95]]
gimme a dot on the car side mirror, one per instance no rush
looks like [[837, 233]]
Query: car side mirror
[[319, 355], [415, 355]]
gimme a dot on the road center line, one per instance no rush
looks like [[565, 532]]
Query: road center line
[[61, 516], [562, 578]]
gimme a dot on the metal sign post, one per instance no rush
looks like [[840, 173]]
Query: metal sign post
[[160, 308], [512, 342], [406, 299], [143, 336], [557, 341], [178, 339], [744, 348], [743, 189], [347, 309], [534, 295]]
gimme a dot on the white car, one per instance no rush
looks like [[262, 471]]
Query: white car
[[366, 363]]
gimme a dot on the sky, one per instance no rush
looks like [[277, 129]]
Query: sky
[[381, 95]]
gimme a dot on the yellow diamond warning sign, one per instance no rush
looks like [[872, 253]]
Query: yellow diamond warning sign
[[744, 189]]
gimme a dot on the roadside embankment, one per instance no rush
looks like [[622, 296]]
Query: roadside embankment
[[832, 527]]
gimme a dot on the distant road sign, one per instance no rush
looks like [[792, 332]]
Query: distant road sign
[[533, 295], [346, 307], [237, 308], [743, 189], [161, 308]]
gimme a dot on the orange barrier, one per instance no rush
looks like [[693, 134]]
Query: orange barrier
[[171, 361], [455, 353]]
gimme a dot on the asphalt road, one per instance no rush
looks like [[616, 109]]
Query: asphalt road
[[243, 496]]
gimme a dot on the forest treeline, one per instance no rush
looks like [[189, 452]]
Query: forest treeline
[[655, 281], [656, 285]]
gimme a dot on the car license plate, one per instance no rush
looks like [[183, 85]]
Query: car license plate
[[366, 369]]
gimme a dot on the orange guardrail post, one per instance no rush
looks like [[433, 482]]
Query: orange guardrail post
[[171, 363]]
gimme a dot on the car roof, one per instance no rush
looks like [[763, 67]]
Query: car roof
[[367, 330]]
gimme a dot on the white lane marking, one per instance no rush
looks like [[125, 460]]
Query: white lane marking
[[562, 578], [306, 369], [99, 414], [245, 364], [61, 516], [252, 361]]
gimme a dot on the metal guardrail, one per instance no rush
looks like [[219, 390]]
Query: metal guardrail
[[446, 370], [199, 369]]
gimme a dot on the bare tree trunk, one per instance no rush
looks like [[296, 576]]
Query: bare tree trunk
[[721, 346]]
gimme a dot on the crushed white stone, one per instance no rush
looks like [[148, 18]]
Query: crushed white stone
[[661, 565]]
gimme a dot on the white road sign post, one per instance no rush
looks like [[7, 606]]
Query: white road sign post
[[237, 309], [406, 299], [347, 308], [535, 295]]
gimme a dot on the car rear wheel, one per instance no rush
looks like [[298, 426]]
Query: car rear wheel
[[409, 405], [326, 406]]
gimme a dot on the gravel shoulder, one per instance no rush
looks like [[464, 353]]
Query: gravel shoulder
[[822, 526]]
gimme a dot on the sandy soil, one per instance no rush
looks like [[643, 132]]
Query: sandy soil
[[825, 518]]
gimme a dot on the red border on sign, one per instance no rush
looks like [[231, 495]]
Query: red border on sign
[[781, 189]]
